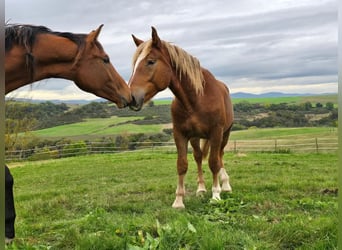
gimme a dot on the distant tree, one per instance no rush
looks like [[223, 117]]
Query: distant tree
[[319, 105], [18, 133], [307, 106], [329, 105]]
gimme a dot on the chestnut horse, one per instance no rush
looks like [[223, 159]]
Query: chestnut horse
[[202, 108], [33, 53]]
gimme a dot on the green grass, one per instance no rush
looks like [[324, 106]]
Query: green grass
[[92, 128], [323, 99], [98, 127], [162, 101], [123, 201], [270, 100], [284, 133]]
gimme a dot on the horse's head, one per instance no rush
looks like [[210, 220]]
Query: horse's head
[[96, 74], [152, 71]]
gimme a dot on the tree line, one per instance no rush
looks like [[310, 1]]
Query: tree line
[[23, 116], [304, 114]]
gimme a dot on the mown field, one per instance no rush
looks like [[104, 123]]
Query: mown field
[[123, 201], [98, 127], [284, 133], [276, 100], [92, 128]]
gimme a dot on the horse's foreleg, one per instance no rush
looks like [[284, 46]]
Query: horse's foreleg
[[180, 192], [182, 167], [197, 152], [216, 189]]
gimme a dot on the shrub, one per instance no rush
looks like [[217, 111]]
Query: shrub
[[44, 154], [77, 148]]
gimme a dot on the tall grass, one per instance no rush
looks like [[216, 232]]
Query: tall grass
[[123, 201]]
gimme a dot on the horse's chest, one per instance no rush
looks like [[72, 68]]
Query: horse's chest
[[192, 126]]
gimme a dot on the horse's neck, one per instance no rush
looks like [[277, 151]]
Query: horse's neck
[[52, 57], [184, 92]]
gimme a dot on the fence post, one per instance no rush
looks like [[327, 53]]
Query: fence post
[[235, 147], [275, 145], [316, 140]]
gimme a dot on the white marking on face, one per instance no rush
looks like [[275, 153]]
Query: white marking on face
[[140, 58]]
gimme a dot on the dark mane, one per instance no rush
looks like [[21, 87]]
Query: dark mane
[[25, 35]]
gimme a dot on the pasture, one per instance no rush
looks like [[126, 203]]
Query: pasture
[[123, 201], [276, 100], [97, 127]]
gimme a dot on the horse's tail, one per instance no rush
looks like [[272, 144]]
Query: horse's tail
[[205, 148]]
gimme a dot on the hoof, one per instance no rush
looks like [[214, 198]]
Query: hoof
[[226, 187], [200, 192], [216, 196], [178, 206], [178, 203]]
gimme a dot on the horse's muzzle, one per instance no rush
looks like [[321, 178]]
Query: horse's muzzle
[[136, 105], [123, 103]]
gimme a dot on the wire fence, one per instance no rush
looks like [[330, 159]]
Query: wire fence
[[314, 145]]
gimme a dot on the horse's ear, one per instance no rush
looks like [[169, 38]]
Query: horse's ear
[[137, 41], [156, 42], [94, 34]]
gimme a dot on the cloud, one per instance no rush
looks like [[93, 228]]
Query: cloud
[[254, 43]]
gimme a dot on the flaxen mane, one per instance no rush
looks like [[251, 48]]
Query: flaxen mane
[[184, 63]]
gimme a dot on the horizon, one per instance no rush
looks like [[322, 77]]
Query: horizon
[[237, 95]]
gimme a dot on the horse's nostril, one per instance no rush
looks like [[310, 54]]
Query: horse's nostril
[[133, 102]]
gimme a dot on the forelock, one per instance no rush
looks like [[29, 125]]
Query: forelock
[[142, 51]]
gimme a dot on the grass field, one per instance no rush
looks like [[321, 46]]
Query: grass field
[[276, 100], [323, 99], [93, 128], [98, 127], [123, 201], [284, 133]]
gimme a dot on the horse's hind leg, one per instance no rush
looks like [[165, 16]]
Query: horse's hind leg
[[215, 162], [223, 174], [225, 181], [197, 152]]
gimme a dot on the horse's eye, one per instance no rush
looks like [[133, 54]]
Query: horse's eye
[[150, 62], [106, 59]]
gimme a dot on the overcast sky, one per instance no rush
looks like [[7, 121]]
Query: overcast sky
[[254, 46]]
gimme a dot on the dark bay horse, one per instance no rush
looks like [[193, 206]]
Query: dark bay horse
[[33, 53], [202, 108]]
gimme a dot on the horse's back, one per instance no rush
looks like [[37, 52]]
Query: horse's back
[[218, 93]]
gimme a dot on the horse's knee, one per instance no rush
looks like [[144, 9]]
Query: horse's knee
[[214, 166], [182, 166]]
